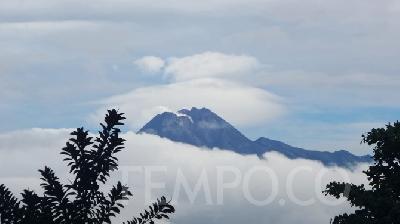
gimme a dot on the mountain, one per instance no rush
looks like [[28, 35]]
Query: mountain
[[204, 128], [341, 158]]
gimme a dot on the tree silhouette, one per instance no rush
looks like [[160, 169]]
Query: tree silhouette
[[380, 203], [81, 202]]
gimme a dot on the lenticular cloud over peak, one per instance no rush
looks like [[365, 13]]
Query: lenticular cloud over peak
[[241, 104]]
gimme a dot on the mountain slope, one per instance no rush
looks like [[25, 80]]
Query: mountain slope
[[203, 128], [340, 158]]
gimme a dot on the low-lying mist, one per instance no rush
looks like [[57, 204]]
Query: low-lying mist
[[206, 186]]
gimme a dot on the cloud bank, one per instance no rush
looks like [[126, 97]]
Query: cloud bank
[[153, 166]]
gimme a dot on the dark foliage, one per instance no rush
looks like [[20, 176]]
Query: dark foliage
[[80, 202], [380, 203], [159, 210]]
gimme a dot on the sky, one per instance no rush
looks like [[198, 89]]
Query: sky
[[312, 73]]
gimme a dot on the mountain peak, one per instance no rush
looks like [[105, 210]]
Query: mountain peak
[[195, 110], [204, 128], [202, 114], [199, 127]]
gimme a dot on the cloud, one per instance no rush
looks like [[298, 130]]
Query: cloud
[[150, 64], [150, 160], [208, 79], [240, 104], [237, 206], [210, 64], [287, 10], [23, 152], [38, 138]]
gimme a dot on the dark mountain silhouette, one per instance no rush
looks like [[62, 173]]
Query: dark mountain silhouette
[[204, 128]]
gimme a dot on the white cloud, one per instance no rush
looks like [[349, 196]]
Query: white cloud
[[199, 80], [150, 64], [150, 150], [36, 137], [23, 152], [146, 151], [211, 64], [240, 104]]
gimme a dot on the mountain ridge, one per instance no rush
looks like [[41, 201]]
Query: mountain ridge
[[203, 128]]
